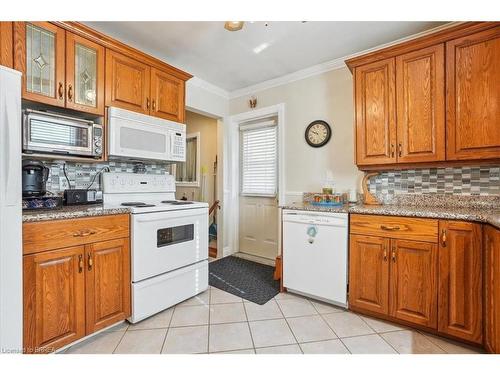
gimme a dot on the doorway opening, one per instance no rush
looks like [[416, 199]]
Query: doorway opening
[[197, 177]]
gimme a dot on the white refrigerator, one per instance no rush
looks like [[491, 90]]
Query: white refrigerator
[[11, 306]]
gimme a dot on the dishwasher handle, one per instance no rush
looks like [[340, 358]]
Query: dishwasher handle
[[325, 221]]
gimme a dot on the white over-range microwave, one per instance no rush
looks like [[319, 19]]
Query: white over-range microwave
[[136, 136]]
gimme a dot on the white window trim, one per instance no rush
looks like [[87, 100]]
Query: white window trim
[[196, 183]]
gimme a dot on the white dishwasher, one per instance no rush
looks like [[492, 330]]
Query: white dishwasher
[[315, 254]]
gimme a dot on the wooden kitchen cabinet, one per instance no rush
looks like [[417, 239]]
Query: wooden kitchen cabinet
[[369, 273], [375, 113], [107, 283], [6, 40], [413, 282], [473, 81], [54, 299], [420, 98], [127, 83], [393, 270], [76, 279], [84, 75], [167, 96], [39, 53], [492, 289], [460, 280], [429, 100]]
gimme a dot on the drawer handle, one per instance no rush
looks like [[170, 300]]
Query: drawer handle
[[84, 233], [389, 227]]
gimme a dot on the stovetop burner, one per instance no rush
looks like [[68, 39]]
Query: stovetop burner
[[137, 204], [177, 203], [131, 204]]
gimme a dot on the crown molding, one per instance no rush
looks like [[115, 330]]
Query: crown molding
[[328, 65], [207, 86]]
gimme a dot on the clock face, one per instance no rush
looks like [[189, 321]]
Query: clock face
[[318, 133]]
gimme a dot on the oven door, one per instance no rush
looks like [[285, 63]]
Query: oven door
[[165, 241], [57, 134]]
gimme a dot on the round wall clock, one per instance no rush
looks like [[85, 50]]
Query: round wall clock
[[318, 133]]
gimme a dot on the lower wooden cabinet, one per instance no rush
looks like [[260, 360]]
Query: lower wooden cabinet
[[76, 290], [369, 273], [461, 280], [107, 283], [413, 282], [54, 299], [492, 289], [432, 281]]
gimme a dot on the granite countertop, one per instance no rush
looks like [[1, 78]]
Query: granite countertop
[[483, 215], [71, 212]]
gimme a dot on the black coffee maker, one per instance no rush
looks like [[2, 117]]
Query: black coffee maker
[[35, 175]]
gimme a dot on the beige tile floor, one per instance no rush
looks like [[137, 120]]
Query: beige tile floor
[[219, 322]]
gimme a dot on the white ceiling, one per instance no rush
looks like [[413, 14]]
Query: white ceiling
[[234, 60]]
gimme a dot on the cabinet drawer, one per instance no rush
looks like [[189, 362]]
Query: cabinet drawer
[[406, 228], [48, 235]]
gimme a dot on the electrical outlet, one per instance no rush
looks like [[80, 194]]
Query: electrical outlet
[[63, 184]]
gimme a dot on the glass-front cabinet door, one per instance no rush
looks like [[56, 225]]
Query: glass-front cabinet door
[[84, 75], [39, 55]]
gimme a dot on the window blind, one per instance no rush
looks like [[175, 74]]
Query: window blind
[[259, 166]]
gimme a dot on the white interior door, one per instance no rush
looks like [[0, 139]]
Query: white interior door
[[259, 222]]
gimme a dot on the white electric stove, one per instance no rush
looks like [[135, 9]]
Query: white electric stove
[[169, 240]]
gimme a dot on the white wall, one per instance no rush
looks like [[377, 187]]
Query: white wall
[[327, 96], [205, 98]]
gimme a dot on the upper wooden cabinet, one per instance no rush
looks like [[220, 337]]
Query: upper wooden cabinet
[[473, 82], [127, 83], [375, 113], [167, 96], [84, 75], [429, 100], [460, 280], [420, 105], [67, 64], [6, 40], [39, 53], [138, 87]]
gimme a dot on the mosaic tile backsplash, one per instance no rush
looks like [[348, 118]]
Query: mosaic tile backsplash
[[81, 174], [472, 181]]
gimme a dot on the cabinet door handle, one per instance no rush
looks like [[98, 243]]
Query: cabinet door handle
[[147, 103], [393, 255], [154, 105], [90, 262], [392, 150], [80, 263], [400, 150], [443, 237], [385, 254], [389, 227], [70, 92], [60, 91]]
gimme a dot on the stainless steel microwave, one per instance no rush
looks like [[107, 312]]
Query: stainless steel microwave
[[51, 133]]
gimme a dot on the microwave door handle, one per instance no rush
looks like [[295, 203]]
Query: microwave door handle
[[172, 137]]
